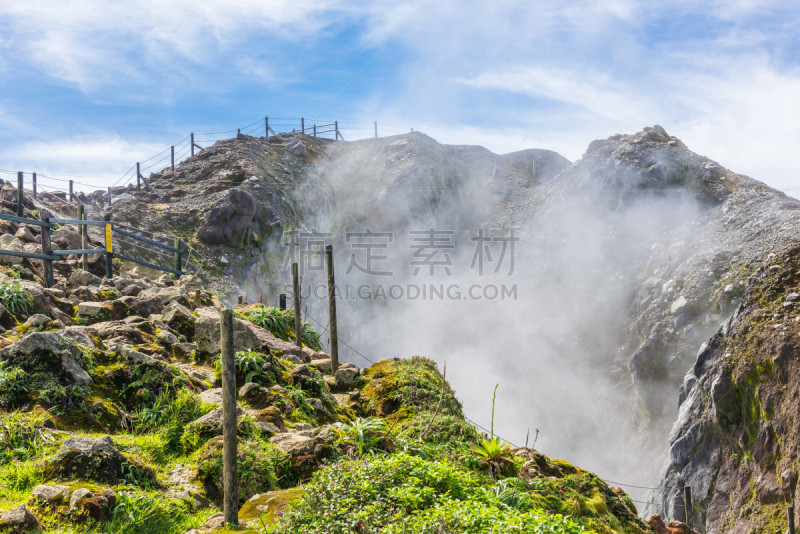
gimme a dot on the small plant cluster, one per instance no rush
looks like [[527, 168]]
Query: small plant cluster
[[253, 366], [281, 324], [16, 298]]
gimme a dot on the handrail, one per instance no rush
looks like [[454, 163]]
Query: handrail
[[34, 222], [76, 222], [150, 241], [82, 251], [27, 255], [147, 264]]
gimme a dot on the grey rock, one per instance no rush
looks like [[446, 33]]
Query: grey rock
[[346, 375], [20, 519], [165, 337], [83, 278], [48, 345], [37, 320], [292, 443], [72, 238], [86, 445], [246, 335], [48, 493], [25, 235], [216, 416], [79, 494], [212, 396], [231, 219]]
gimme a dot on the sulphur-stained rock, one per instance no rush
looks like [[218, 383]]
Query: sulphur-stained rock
[[99, 461], [264, 508], [37, 320], [20, 519], [78, 495]]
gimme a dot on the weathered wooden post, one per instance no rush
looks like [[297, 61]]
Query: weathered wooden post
[[71, 194], [687, 503], [172, 154], [282, 301], [302, 125], [178, 266], [34, 186], [336, 129], [20, 194], [376, 129], [109, 196], [332, 310], [266, 127], [298, 326], [138, 178], [230, 478], [109, 248], [197, 299], [47, 249], [315, 130], [84, 240], [241, 299], [790, 513], [238, 132], [191, 143]]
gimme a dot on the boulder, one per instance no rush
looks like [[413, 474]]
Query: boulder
[[255, 395], [183, 350], [37, 320], [57, 495], [57, 353], [143, 307], [263, 509], [292, 444], [272, 416], [71, 238], [165, 337], [322, 364], [99, 312], [180, 319], [25, 235], [246, 335], [346, 376], [9, 242], [7, 320], [99, 461], [81, 278], [212, 396], [78, 495], [297, 148], [20, 519], [231, 219], [98, 507], [84, 294]]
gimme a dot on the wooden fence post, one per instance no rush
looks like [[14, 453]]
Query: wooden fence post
[[82, 228], [192, 143], [336, 129], [178, 255], [282, 301], [109, 196], [47, 249], [302, 125], [241, 299], [790, 513], [687, 504], [71, 194], [20, 194], [109, 248], [230, 478], [332, 310], [266, 125], [34, 186], [172, 154], [138, 175], [315, 130], [197, 299], [298, 325], [376, 129]]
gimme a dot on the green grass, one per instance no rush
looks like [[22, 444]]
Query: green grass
[[281, 324]]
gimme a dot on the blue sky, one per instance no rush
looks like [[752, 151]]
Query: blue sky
[[90, 87]]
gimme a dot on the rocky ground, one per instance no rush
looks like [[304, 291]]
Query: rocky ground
[[111, 422]]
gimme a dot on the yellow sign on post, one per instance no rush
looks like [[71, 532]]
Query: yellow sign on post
[[108, 238]]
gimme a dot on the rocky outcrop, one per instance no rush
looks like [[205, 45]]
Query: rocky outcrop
[[735, 439], [232, 220], [99, 461]]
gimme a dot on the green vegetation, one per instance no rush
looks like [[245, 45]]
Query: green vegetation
[[280, 323], [16, 298], [364, 434]]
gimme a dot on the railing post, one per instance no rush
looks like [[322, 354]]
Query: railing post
[[302, 125], [109, 196], [34, 186], [687, 504], [315, 130], [178, 254], [266, 127], [109, 248], [336, 129], [230, 478], [82, 217], [376, 129], [192, 143], [197, 299], [332, 310], [790, 513], [47, 249], [172, 153], [71, 195], [298, 325], [412, 130], [20, 194], [282, 301], [138, 176]]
